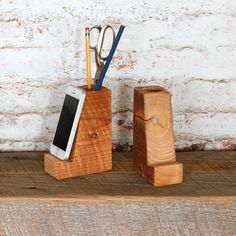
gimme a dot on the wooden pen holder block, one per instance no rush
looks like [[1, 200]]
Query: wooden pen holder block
[[154, 149], [92, 147]]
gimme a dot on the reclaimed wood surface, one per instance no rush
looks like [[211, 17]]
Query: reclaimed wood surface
[[153, 135], [208, 174], [92, 148], [119, 202]]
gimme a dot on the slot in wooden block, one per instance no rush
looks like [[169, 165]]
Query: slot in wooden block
[[154, 149], [92, 147]]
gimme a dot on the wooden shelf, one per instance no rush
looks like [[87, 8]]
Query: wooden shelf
[[206, 174], [206, 197]]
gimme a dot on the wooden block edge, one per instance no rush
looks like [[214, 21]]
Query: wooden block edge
[[50, 165], [53, 166], [166, 174]]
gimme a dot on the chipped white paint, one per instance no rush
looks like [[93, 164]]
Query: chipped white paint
[[188, 47]]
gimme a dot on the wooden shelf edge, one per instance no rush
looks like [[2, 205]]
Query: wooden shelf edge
[[103, 199]]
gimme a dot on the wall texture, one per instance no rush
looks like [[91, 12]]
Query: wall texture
[[187, 46]]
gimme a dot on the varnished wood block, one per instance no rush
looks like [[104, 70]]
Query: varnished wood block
[[166, 174], [154, 149], [92, 147]]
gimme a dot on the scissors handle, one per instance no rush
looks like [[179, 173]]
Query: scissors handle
[[102, 32], [101, 40], [99, 58], [98, 28]]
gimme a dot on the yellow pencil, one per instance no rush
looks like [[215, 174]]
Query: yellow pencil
[[88, 63]]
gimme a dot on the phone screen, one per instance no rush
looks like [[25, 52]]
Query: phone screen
[[65, 123]]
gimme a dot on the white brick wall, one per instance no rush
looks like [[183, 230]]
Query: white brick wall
[[186, 46]]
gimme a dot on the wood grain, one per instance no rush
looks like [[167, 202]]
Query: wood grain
[[119, 202], [154, 149], [165, 217], [91, 152], [207, 175]]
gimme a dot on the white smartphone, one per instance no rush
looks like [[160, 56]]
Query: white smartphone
[[68, 122]]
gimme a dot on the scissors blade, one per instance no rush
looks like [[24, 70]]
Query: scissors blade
[[98, 73]]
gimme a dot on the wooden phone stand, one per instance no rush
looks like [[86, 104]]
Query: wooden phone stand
[[92, 147], [154, 149]]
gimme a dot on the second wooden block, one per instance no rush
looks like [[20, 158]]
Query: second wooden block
[[154, 148]]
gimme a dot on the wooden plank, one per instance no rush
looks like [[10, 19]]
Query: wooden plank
[[166, 217], [119, 202], [206, 174]]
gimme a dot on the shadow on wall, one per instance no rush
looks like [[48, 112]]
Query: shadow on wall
[[122, 116]]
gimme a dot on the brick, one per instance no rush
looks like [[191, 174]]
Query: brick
[[27, 98], [207, 126], [27, 127], [31, 62]]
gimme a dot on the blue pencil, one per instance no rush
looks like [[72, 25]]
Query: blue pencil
[[109, 58]]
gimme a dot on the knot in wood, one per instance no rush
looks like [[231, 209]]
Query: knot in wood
[[156, 121], [94, 135]]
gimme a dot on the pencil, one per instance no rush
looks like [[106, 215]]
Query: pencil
[[88, 62]]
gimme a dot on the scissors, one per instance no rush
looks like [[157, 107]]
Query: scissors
[[99, 58]]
